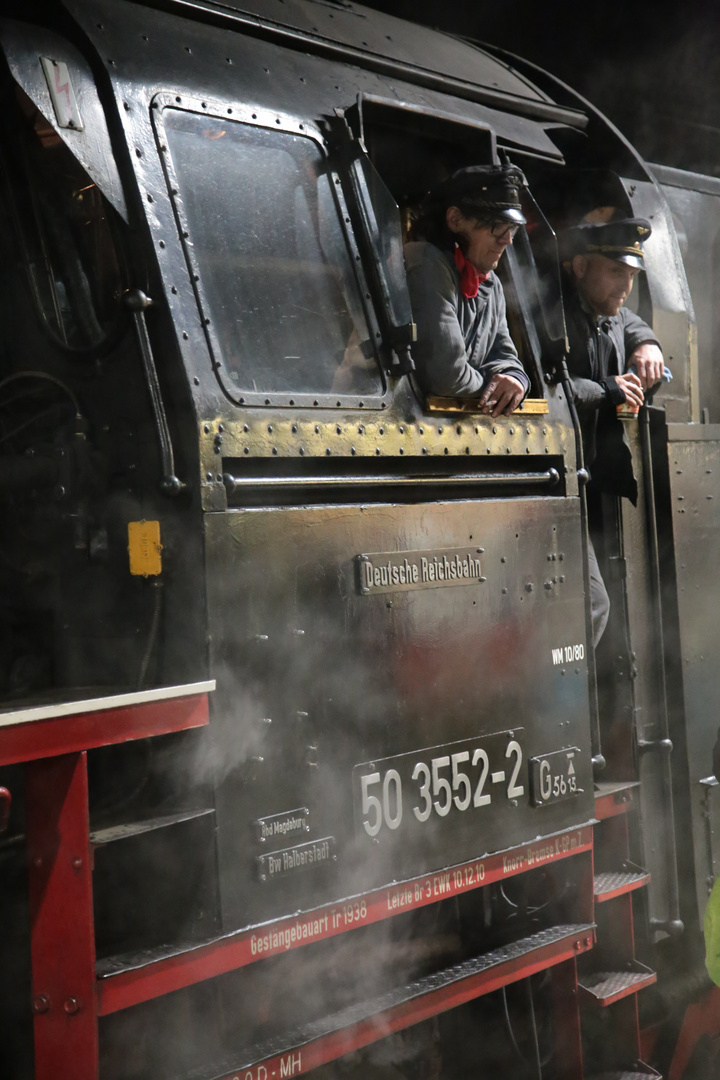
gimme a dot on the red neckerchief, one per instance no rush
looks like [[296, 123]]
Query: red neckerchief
[[470, 278]]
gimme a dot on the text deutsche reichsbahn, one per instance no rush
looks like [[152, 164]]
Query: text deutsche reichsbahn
[[384, 572]]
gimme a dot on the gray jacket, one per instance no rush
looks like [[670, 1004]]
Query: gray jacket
[[460, 342]]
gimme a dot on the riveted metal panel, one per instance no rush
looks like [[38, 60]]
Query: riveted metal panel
[[694, 511], [316, 677], [384, 35], [642, 672]]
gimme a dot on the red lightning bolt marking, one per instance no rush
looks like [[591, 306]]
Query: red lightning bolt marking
[[64, 89]]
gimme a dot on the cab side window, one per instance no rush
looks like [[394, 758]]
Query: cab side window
[[412, 151], [274, 273]]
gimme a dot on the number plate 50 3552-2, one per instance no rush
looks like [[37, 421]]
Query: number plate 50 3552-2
[[553, 776], [457, 780]]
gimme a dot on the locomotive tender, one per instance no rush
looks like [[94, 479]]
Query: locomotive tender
[[425, 828]]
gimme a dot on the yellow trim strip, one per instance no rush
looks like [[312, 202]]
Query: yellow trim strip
[[529, 407]]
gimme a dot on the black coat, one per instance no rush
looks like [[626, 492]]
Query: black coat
[[599, 351]]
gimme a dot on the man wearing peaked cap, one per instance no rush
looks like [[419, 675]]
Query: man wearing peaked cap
[[614, 356], [463, 344], [493, 189], [619, 240]]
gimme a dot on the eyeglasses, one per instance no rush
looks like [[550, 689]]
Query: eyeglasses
[[501, 229]]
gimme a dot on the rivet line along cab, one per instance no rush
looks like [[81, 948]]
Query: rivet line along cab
[[425, 827]]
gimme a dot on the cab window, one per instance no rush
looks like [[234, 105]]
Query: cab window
[[273, 270], [410, 150]]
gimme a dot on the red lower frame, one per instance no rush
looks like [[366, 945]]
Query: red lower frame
[[328, 1048], [61, 913], [67, 997], [53, 741], [155, 978], [49, 736]]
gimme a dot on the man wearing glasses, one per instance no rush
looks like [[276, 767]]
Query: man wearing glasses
[[463, 344]]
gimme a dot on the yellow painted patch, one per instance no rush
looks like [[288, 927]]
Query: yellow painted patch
[[712, 934], [144, 548]]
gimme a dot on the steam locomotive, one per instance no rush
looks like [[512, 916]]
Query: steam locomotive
[[308, 764]]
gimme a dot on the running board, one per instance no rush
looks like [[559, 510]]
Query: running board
[[304, 1049]]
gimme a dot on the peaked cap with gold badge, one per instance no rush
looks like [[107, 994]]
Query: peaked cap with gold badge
[[620, 240]]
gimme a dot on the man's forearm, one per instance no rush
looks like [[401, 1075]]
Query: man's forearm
[[588, 394]]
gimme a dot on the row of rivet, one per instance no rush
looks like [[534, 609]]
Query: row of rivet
[[207, 428], [378, 452], [261, 447]]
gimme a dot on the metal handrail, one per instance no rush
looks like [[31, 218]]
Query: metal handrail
[[549, 477]]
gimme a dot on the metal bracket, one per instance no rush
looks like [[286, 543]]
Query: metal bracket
[[664, 745], [136, 301]]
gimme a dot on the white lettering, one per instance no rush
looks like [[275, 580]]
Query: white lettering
[[281, 827], [284, 937], [511, 863], [540, 854], [441, 885], [289, 1065], [568, 654], [399, 898], [545, 780]]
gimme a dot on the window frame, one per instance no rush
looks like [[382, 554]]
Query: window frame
[[370, 110], [276, 121]]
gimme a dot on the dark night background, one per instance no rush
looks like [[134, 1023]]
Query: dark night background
[[652, 68]]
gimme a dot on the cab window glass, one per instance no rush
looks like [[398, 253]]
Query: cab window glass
[[275, 274], [66, 237]]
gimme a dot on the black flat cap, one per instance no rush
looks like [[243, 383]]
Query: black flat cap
[[483, 191], [620, 240]]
